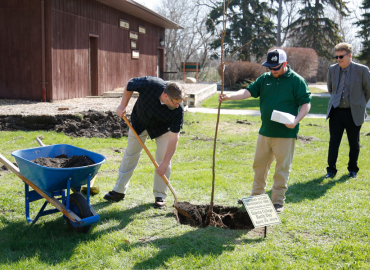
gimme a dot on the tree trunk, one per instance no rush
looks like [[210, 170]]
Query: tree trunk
[[279, 24]]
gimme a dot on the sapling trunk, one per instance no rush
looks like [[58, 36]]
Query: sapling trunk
[[222, 38]]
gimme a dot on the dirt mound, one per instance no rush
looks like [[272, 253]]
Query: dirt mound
[[86, 124], [3, 168], [307, 139], [245, 122], [62, 161], [222, 216]]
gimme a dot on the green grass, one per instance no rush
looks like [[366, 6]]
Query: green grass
[[325, 224], [316, 90], [319, 105]]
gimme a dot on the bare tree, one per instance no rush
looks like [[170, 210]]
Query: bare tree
[[346, 28], [191, 43], [289, 15]]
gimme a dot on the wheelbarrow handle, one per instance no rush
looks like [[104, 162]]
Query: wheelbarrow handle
[[150, 156]]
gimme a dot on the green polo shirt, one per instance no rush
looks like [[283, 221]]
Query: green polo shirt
[[286, 94]]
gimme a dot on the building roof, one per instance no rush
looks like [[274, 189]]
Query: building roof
[[135, 9]]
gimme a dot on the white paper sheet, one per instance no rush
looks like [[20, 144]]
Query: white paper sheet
[[282, 117]]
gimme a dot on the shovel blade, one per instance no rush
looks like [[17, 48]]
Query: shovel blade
[[182, 212]]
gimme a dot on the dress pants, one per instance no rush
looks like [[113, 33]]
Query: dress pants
[[131, 158], [268, 149], [340, 120]]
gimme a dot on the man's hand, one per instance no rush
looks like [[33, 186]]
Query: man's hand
[[162, 168], [121, 110], [305, 108], [291, 125], [223, 97], [241, 94]]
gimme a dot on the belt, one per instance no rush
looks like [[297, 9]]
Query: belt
[[337, 108]]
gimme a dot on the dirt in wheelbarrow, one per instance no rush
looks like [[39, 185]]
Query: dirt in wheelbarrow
[[62, 161], [224, 217]]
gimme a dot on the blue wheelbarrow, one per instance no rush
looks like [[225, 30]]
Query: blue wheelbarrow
[[55, 184]]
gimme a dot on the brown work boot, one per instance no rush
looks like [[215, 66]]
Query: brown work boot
[[278, 208], [159, 202], [114, 196]]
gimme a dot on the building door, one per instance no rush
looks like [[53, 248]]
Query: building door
[[160, 66], [93, 63]]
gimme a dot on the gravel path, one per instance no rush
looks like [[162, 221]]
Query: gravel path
[[72, 106]]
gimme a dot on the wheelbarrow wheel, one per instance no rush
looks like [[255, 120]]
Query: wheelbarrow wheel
[[79, 206]]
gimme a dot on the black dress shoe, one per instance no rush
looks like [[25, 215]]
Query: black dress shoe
[[159, 202], [330, 175], [114, 196], [279, 208], [352, 174]]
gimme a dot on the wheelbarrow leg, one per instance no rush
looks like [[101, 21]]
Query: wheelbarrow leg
[[28, 217], [31, 196], [68, 192], [88, 189]]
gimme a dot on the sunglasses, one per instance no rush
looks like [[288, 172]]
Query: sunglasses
[[277, 68], [340, 56]]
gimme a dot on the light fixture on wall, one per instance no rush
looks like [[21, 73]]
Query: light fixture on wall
[[161, 41]]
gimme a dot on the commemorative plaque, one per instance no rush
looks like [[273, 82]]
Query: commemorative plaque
[[261, 211], [133, 35], [135, 54], [142, 30], [124, 24]]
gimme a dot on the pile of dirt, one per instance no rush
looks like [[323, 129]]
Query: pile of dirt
[[223, 217], [86, 124], [62, 161], [3, 168], [307, 139], [245, 122]]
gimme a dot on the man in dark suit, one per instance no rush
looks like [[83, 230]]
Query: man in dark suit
[[349, 87]]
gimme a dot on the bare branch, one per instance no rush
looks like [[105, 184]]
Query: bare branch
[[242, 47], [215, 28]]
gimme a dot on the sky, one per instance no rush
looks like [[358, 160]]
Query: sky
[[152, 3], [148, 3]]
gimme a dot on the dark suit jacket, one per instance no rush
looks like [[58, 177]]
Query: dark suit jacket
[[359, 90]]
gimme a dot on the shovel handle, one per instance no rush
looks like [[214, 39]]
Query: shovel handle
[[40, 142], [150, 156]]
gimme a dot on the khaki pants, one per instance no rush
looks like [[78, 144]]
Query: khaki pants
[[131, 158], [268, 149]]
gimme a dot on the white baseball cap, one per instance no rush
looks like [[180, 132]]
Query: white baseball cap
[[275, 58]]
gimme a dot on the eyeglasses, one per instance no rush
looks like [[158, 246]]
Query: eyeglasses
[[175, 103], [340, 56], [277, 68]]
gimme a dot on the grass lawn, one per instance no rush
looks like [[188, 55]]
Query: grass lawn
[[325, 224], [319, 105], [316, 90]]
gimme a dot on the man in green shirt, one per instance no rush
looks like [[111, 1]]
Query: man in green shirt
[[283, 90]]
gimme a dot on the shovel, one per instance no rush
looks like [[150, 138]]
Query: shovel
[[156, 165]]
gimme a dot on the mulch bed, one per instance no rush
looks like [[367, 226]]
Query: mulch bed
[[233, 218]]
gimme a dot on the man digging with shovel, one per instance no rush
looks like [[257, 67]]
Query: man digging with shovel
[[158, 113]]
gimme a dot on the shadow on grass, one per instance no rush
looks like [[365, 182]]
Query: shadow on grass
[[313, 189], [51, 241], [201, 243]]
